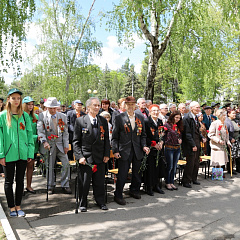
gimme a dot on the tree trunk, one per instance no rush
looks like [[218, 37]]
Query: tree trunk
[[152, 71]]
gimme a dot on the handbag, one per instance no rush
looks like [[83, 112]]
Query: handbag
[[217, 174]]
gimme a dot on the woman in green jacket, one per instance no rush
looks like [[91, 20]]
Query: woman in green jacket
[[28, 107], [16, 148]]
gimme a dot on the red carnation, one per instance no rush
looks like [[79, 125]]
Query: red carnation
[[174, 127], [219, 128], [153, 143], [50, 137], [165, 128], [207, 131], [94, 169]]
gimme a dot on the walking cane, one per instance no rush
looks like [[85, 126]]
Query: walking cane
[[77, 189], [230, 160], [49, 153]]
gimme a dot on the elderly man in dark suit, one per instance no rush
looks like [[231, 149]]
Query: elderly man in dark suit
[[91, 146], [191, 145], [128, 144], [141, 102], [72, 115]]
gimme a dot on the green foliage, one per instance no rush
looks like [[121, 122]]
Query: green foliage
[[13, 17]]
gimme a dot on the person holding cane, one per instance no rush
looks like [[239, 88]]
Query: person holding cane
[[16, 149]]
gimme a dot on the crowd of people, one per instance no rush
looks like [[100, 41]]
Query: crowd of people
[[148, 138]]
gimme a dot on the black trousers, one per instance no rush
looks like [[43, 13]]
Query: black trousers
[[123, 168], [152, 172], [191, 169], [9, 171], [98, 179]]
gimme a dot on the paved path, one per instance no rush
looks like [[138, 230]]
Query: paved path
[[208, 211]]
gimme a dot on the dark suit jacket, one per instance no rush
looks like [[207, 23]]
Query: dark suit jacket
[[122, 140], [150, 136], [206, 121], [189, 133], [71, 118], [138, 111], [86, 145]]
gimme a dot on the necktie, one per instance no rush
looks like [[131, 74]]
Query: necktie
[[209, 119], [95, 127], [54, 116], [196, 119]]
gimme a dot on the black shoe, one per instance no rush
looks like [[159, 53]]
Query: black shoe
[[103, 207], [150, 192], [31, 191], [170, 189], [67, 190], [196, 182], [158, 190], [187, 185], [119, 201], [175, 188], [135, 195], [83, 209]]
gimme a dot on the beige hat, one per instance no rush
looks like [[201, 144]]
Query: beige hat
[[52, 102]]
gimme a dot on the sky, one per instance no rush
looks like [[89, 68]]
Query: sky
[[112, 54]]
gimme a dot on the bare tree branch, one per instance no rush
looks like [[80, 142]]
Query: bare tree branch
[[81, 35]]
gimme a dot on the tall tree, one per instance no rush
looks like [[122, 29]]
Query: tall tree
[[156, 21], [13, 17], [67, 39]]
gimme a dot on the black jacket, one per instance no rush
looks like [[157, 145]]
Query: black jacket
[[189, 133], [123, 140], [86, 145], [71, 118]]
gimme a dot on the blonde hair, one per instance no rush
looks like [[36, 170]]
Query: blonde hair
[[25, 108], [220, 113], [9, 110]]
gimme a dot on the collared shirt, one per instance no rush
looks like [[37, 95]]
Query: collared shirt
[[194, 117], [132, 120], [91, 119], [144, 112], [163, 118]]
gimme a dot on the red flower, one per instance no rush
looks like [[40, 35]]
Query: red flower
[[165, 128], [62, 128], [50, 137], [174, 127], [207, 131], [22, 127], [219, 128], [94, 169], [153, 143], [34, 120]]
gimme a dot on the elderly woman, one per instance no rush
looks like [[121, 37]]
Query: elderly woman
[[236, 143], [107, 116], [153, 125], [219, 139]]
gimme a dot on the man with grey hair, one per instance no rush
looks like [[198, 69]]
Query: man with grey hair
[[191, 145], [91, 147], [182, 109], [163, 113], [51, 123], [172, 108], [148, 103], [141, 102]]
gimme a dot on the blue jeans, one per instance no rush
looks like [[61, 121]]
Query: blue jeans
[[172, 157]]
